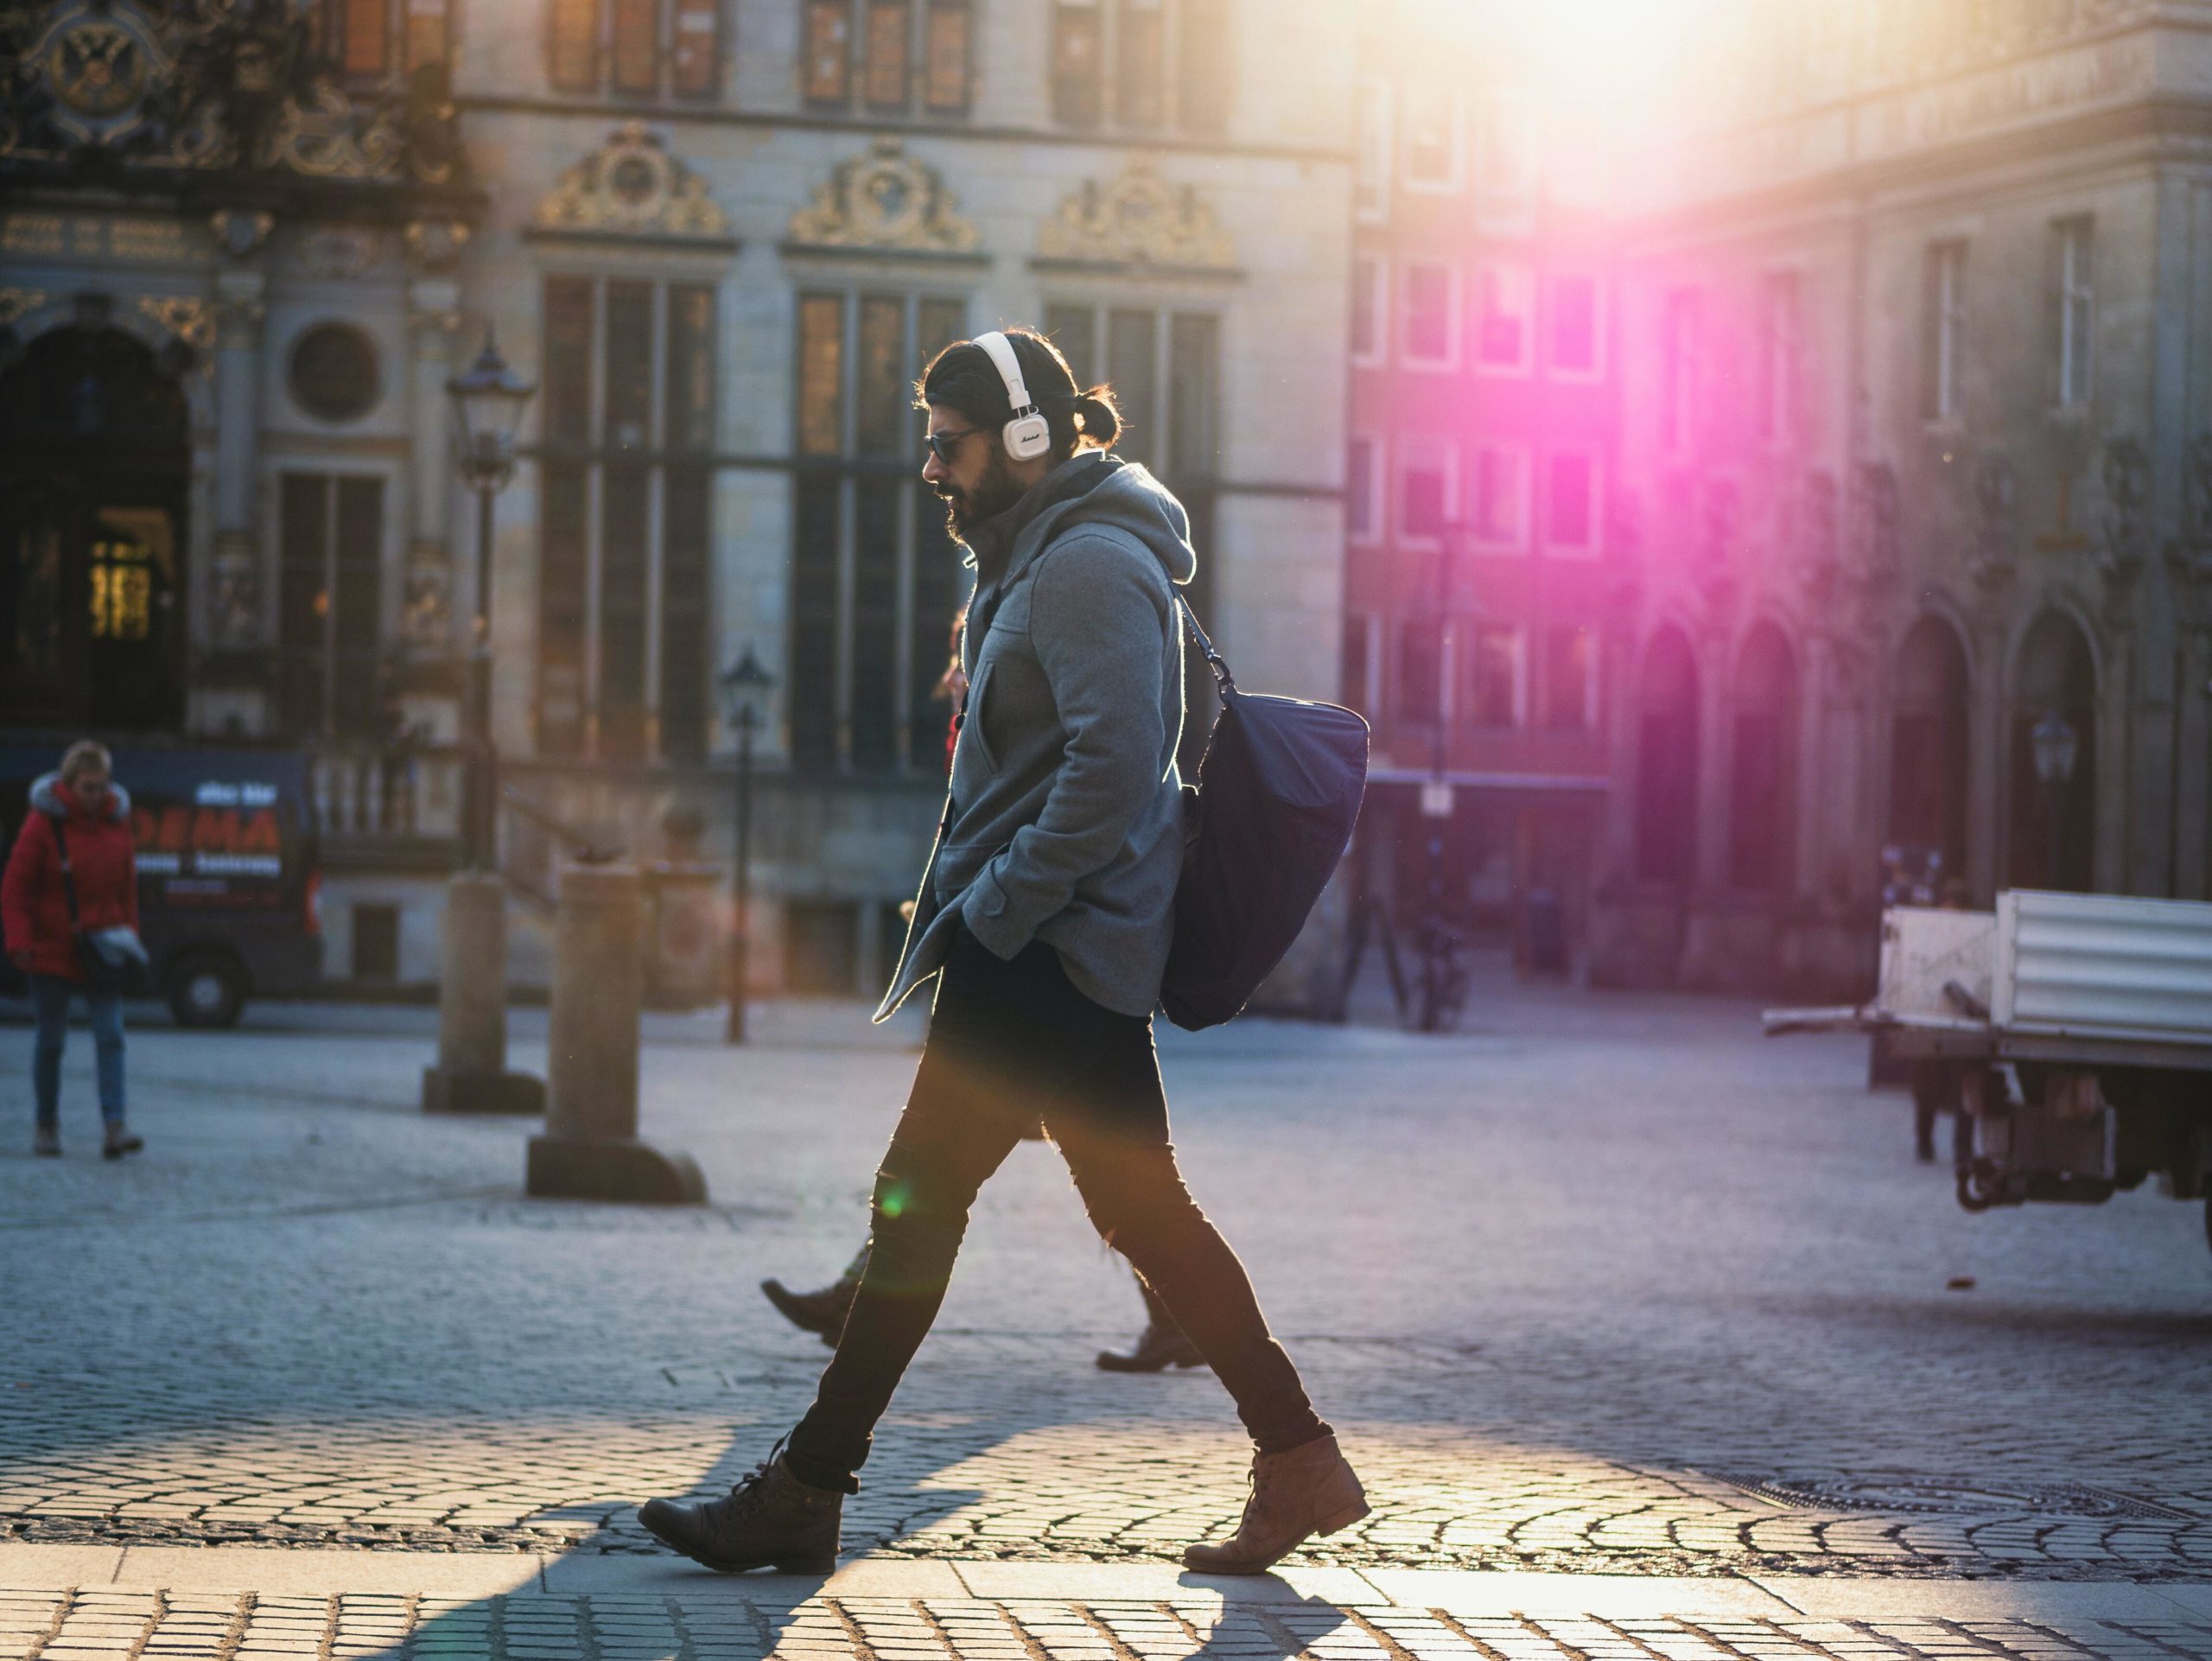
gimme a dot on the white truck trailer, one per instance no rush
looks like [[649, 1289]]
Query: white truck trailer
[[2073, 1032]]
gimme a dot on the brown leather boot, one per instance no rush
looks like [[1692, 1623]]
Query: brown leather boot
[[770, 1519], [1308, 1491]]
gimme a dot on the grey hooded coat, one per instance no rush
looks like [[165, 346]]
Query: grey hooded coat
[[1065, 821]]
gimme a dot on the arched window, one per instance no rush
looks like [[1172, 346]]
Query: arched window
[[1666, 766], [1763, 765], [2054, 823], [95, 464], [1928, 746]]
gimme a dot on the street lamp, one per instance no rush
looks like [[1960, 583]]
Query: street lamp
[[746, 684], [487, 399], [2054, 744]]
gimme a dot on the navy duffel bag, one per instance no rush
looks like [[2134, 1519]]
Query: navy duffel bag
[[1277, 796]]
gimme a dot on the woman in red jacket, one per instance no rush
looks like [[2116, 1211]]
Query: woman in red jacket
[[82, 806]]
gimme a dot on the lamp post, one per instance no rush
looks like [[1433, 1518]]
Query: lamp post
[[471, 1075], [2056, 744], [746, 684], [487, 399]]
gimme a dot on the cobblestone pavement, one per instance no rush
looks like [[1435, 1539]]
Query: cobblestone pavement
[[695, 1626], [1600, 1283]]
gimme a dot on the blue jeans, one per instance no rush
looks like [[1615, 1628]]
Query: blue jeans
[[50, 995]]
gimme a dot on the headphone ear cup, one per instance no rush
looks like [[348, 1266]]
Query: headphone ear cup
[[1027, 437]]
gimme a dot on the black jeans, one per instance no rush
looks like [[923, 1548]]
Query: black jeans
[[1010, 1043]]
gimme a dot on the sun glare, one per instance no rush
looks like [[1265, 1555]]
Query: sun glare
[[1612, 56]]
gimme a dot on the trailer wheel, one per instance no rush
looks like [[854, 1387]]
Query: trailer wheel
[[208, 989]]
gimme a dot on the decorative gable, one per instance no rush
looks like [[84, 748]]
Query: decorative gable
[[632, 189], [1138, 222], [884, 201]]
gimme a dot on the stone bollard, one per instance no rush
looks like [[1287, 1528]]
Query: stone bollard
[[472, 1076], [590, 1150]]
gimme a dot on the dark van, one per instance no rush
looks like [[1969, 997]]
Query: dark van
[[229, 894]]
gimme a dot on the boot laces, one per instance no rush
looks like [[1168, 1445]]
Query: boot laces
[[749, 1494]]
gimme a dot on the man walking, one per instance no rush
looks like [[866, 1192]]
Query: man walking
[[1045, 913]]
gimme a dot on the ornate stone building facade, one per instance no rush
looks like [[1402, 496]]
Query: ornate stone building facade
[[1479, 462], [1916, 407], [722, 235]]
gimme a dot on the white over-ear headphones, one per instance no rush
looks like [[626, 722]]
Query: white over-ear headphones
[[1028, 435]]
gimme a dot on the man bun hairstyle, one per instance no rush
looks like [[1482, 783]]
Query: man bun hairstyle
[[963, 378]]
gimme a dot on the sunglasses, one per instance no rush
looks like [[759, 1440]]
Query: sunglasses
[[945, 446]]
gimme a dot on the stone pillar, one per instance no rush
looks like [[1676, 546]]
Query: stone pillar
[[1989, 755], [1815, 851], [472, 1076], [236, 603], [2116, 775], [1706, 954], [2193, 747], [426, 619], [590, 1150]]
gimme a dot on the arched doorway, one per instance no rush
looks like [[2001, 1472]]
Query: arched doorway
[[1929, 747], [94, 462], [1666, 762], [2055, 675]]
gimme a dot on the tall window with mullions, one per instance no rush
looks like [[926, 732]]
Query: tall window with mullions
[[875, 579], [626, 519], [330, 602], [1165, 368]]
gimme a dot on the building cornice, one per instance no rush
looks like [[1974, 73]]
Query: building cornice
[[2082, 143], [39, 183], [708, 115]]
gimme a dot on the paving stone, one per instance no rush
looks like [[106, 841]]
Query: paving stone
[[1584, 1289]]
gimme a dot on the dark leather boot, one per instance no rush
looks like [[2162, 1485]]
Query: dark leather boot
[[771, 1519], [1158, 1347], [46, 1143], [1308, 1491], [822, 1312], [116, 1141]]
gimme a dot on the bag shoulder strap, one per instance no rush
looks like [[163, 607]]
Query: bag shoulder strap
[[68, 880], [1214, 659]]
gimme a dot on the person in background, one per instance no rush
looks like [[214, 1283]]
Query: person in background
[[80, 808], [1162, 1345]]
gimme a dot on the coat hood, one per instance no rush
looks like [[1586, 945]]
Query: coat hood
[[1128, 497], [1090, 487], [46, 797]]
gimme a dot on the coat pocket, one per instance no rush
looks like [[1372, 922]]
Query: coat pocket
[[971, 719]]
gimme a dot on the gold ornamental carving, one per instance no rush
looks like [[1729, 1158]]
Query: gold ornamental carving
[[17, 304], [884, 200], [632, 186], [1137, 220], [189, 320], [328, 138], [240, 232], [436, 245]]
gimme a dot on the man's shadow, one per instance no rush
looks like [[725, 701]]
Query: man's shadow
[[880, 1597]]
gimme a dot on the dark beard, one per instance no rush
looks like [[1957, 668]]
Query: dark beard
[[997, 491]]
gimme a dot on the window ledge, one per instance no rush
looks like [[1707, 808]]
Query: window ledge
[[660, 241], [1142, 271], [874, 255]]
